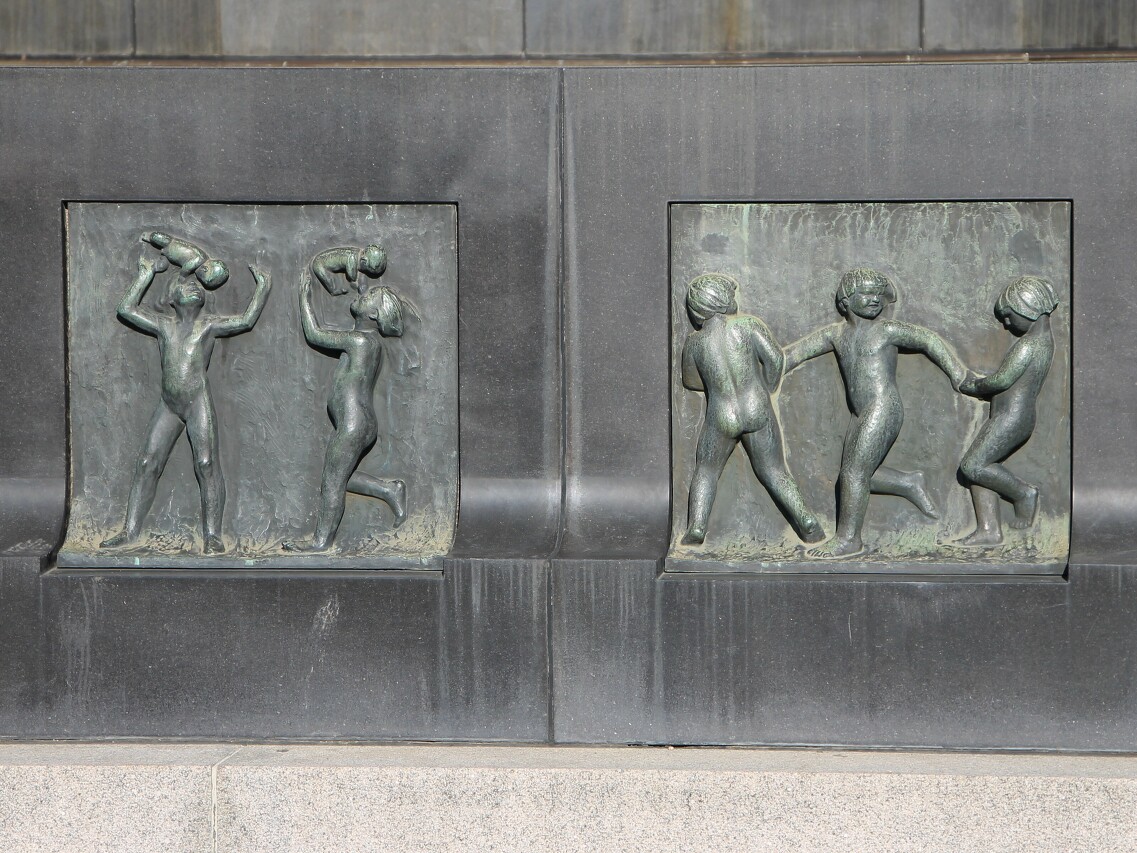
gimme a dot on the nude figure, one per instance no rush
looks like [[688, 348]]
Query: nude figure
[[350, 261], [190, 258], [734, 360], [377, 314], [866, 349], [186, 337], [1024, 309]]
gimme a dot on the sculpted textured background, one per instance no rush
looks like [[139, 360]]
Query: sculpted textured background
[[949, 262], [270, 388]]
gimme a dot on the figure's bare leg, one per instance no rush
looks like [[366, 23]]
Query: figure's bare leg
[[866, 444], [391, 492], [987, 531], [343, 454], [201, 427], [909, 485], [981, 466], [711, 454], [165, 427], [768, 459]]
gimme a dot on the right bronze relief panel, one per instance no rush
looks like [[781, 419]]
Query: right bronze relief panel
[[871, 387]]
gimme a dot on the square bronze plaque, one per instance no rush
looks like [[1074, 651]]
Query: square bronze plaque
[[913, 356], [275, 389]]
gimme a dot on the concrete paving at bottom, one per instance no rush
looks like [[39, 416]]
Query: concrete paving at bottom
[[281, 798]]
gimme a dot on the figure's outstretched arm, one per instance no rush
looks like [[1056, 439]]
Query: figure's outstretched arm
[[225, 326], [909, 336], [1010, 371], [818, 342], [314, 333], [130, 308], [691, 377]]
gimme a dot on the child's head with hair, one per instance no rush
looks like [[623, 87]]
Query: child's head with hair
[[863, 280], [711, 294], [1029, 297], [212, 274], [373, 261]]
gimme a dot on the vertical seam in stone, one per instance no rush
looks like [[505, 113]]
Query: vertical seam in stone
[[213, 797], [550, 610]]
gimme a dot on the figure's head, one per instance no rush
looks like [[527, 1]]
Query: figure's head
[[184, 292], [865, 292], [383, 307], [212, 274], [373, 261], [1023, 301], [711, 294]]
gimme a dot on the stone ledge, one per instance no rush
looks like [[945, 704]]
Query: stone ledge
[[231, 799]]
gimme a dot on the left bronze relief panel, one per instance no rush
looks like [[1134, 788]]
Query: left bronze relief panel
[[295, 406]]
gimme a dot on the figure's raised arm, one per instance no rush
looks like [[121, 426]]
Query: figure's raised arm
[[130, 308], [314, 333], [1010, 371], [225, 326], [691, 377], [817, 342], [919, 339], [769, 353]]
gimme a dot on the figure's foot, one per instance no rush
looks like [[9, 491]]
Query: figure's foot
[[835, 548], [979, 538], [920, 496], [810, 529], [162, 264], [694, 536], [117, 541], [398, 502], [1026, 510], [213, 545], [305, 547]]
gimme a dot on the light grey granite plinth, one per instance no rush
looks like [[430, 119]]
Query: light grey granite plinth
[[233, 799]]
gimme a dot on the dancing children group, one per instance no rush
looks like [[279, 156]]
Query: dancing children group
[[735, 361]]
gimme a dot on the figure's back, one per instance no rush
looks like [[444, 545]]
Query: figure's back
[[728, 358]]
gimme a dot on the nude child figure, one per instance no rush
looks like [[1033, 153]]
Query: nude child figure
[[1024, 309], [186, 336], [734, 360], [378, 314], [350, 262], [866, 349]]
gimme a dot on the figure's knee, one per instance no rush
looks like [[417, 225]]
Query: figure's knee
[[150, 464], [205, 465], [971, 467]]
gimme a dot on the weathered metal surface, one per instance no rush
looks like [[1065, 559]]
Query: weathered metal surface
[[364, 28], [949, 261], [97, 28], [965, 25], [270, 388], [177, 28], [638, 27]]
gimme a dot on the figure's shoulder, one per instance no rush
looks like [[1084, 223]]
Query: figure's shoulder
[[1033, 347], [901, 329], [831, 331], [751, 322], [889, 326]]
